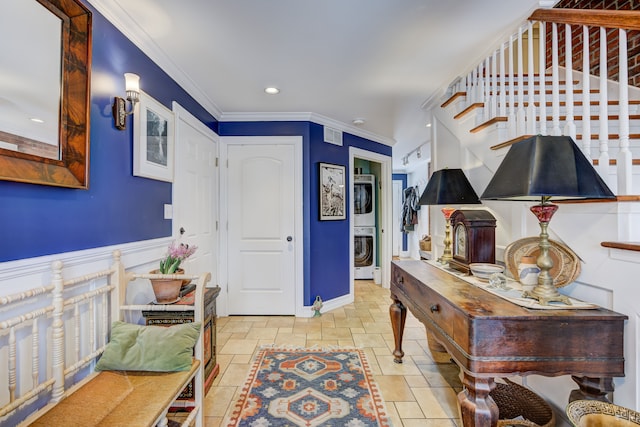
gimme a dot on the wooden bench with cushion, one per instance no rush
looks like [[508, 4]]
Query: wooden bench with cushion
[[73, 362]]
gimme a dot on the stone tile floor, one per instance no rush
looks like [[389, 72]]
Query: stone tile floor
[[418, 392]]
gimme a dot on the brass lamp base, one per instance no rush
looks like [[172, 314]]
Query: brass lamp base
[[545, 292], [447, 255]]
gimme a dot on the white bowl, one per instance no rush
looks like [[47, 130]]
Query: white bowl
[[484, 270]]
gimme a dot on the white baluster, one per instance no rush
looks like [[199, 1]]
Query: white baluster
[[57, 356], [624, 159], [512, 89], [92, 325], [494, 84], [531, 107], [76, 317], [586, 94], [486, 99], [570, 125], [12, 364], [503, 87], [555, 96], [520, 113], [603, 158], [35, 352], [542, 55]]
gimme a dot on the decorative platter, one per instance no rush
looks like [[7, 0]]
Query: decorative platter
[[594, 413], [566, 264]]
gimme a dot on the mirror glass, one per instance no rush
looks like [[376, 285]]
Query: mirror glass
[[45, 67], [30, 70]]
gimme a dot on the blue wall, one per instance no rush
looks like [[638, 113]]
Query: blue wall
[[41, 220], [120, 208]]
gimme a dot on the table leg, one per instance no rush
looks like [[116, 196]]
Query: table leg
[[591, 388], [398, 314], [476, 406]]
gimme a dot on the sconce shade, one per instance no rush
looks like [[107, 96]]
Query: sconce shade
[[552, 167], [449, 187], [131, 82]]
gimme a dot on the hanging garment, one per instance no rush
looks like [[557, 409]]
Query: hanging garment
[[410, 208]]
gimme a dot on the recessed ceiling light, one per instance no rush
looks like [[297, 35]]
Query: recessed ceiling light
[[37, 120], [358, 122], [272, 90], [428, 125]]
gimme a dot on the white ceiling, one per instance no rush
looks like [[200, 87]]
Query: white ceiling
[[379, 60]]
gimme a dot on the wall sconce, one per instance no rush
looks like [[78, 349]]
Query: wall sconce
[[132, 88]]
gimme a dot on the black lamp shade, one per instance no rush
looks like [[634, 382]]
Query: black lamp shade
[[449, 187], [546, 166]]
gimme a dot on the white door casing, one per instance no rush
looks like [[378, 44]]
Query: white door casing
[[397, 218], [386, 214], [262, 188], [195, 192]]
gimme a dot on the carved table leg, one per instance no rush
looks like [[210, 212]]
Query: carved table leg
[[398, 314], [476, 406], [591, 388]]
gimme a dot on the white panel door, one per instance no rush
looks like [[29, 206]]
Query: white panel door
[[261, 226], [195, 193]]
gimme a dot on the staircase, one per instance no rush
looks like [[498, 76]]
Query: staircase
[[535, 83], [539, 81]]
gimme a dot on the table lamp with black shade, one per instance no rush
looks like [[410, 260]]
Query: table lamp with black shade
[[545, 168], [448, 187]]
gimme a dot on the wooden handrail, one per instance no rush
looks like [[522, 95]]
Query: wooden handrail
[[625, 19]]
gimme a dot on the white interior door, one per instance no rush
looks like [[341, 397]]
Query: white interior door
[[195, 192], [261, 229]]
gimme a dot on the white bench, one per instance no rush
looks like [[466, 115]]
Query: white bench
[[50, 339]]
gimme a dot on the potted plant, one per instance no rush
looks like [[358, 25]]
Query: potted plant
[[167, 290]]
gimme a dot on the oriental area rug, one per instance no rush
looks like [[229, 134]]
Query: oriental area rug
[[310, 388]]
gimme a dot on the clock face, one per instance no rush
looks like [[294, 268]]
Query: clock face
[[460, 240]]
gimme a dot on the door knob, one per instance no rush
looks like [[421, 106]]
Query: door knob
[[289, 238]]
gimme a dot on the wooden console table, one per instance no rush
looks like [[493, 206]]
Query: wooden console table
[[490, 337]]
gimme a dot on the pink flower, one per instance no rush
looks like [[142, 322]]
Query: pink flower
[[175, 255]]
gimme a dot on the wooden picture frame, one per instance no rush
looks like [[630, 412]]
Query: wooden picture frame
[[332, 192], [153, 140]]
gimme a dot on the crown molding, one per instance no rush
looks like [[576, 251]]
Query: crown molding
[[309, 117], [130, 28]]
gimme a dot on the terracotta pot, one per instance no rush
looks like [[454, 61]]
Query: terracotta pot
[[167, 291]]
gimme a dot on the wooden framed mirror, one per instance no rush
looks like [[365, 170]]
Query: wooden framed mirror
[[64, 159]]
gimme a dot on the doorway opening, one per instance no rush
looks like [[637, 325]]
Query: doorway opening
[[370, 216]]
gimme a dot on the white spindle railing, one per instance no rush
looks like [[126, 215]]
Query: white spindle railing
[[586, 94], [603, 121], [531, 104], [555, 81], [512, 93], [520, 113], [624, 158], [542, 69], [498, 82], [570, 124]]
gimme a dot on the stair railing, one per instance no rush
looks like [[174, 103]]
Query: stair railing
[[503, 95]]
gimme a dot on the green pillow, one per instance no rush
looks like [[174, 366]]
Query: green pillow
[[149, 348]]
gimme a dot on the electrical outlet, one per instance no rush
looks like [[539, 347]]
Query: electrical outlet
[[168, 211]]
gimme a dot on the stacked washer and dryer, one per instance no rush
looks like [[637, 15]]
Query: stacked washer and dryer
[[364, 231]]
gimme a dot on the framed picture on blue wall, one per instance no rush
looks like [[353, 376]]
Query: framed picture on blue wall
[[332, 192], [153, 154]]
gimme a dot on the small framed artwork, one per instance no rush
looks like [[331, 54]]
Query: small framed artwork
[[332, 192], [153, 140]]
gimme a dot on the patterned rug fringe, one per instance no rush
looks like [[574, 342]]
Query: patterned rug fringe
[[234, 420]]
